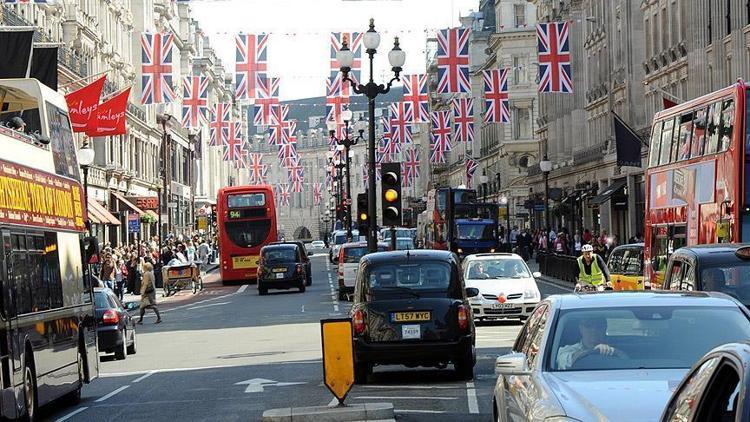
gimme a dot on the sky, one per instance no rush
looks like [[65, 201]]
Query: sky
[[298, 49]]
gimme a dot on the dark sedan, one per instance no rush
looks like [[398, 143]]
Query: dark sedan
[[411, 308], [305, 257], [115, 328], [281, 266]]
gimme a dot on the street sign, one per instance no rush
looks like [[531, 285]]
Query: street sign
[[256, 385], [338, 356], [202, 222], [202, 211], [134, 222]]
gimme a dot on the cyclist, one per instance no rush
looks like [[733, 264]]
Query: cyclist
[[592, 270]]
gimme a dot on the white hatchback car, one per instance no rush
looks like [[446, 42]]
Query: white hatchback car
[[507, 288]]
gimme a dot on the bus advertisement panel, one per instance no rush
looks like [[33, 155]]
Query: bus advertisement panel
[[247, 222], [696, 171]]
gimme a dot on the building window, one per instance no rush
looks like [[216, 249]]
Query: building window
[[664, 26], [520, 66], [521, 123], [520, 14], [709, 28], [729, 17]]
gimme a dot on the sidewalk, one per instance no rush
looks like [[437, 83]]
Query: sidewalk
[[534, 266]]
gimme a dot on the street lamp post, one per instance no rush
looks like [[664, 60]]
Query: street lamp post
[[396, 57], [546, 166], [164, 119], [346, 143], [505, 201], [86, 157]]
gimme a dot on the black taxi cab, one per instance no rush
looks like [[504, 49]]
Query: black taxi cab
[[281, 266], [411, 308], [717, 268]]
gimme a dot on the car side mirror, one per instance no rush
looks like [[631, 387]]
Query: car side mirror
[[472, 291], [511, 364], [536, 274]]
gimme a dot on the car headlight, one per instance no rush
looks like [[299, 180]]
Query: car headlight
[[460, 250], [531, 294]]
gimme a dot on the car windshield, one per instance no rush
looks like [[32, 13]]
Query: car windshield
[[476, 231], [280, 255], [426, 275], [733, 280], [653, 337], [496, 268], [247, 234]]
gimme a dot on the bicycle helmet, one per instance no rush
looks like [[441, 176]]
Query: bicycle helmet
[[587, 248]]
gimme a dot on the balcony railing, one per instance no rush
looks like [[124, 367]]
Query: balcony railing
[[70, 60], [588, 155]]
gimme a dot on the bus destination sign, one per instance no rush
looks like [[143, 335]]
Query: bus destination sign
[[32, 197]]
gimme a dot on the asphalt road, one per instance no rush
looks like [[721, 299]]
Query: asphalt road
[[228, 354]]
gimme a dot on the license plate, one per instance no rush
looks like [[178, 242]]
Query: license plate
[[411, 332], [279, 275], [410, 316], [279, 270], [502, 305], [242, 262]]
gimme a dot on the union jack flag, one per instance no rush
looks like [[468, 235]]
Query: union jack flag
[[287, 154], [296, 175], [496, 96], [388, 148], [233, 144], [453, 60], [25, 1], [194, 101], [156, 68], [282, 193], [335, 105], [221, 114], [378, 165], [400, 127], [463, 119], [471, 167], [317, 193], [251, 64], [554, 57], [354, 41], [411, 164], [415, 97], [258, 170], [266, 101], [241, 161], [440, 141], [405, 181]]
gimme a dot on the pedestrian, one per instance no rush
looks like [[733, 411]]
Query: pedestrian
[[586, 236], [148, 292], [119, 279], [107, 271], [577, 244]]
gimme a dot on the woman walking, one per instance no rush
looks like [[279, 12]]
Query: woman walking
[[148, 292]]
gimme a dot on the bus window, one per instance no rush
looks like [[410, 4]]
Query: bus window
[[653, 159], [659, 254], [685, 134], [712, 128], [727, 125], [62, 143], [666, 141], [699, 133]]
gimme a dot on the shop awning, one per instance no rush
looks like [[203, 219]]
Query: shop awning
[[99, 215], [127, 203], [607, 193]]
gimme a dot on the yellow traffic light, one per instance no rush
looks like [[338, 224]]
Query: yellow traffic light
[[391, 195], [363, 216]]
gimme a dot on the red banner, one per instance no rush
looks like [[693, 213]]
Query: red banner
[[29, 197], [110, 116], [668, 103], [82, 105]]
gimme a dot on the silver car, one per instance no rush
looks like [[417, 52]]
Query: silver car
[[610, 356]]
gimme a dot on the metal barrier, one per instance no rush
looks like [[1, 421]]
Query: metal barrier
[[563, 267]]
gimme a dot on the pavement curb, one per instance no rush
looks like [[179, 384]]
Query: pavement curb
[[557, 282], [350, 413]]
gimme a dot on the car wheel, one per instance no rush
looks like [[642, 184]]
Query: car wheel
[[121, 352], [132, 347], [342, 296], [464, 366], [29, 392], [362, 371], [308, 282], [262, 291]]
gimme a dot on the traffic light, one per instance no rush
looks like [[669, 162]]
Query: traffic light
[[391, 194], [363, 219]]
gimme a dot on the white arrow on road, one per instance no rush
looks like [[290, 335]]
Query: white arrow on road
[[256, 385]]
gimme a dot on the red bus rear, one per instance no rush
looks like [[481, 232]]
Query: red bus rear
[[695, 180], [247, 221]]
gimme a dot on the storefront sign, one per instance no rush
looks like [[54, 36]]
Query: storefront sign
[[134, 223], [31, 197], [144, 202]]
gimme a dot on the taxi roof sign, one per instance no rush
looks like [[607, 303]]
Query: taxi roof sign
[[338, 356]]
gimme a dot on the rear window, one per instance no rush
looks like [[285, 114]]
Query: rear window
[[280, 255], [100, 300], [247, 200], [413, 276], [353, 254]]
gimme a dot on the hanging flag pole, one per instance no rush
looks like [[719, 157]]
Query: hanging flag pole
[[84, 78]]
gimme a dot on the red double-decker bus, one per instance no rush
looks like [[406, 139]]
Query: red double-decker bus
[[696, 177], [247, 221]]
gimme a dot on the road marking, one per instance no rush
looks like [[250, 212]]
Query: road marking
[[101, 399], [336, 308], [471, 394], [256, 385], [413, 387], [417, 411], [242, 288], [201, 368], [71, 414], [208, 306], [143, 377], [334, 402], [404, 398]]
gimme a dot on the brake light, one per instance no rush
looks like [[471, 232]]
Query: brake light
[[299, 269], [358, 321], [341, 255], [463, 318], [111, 317]]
